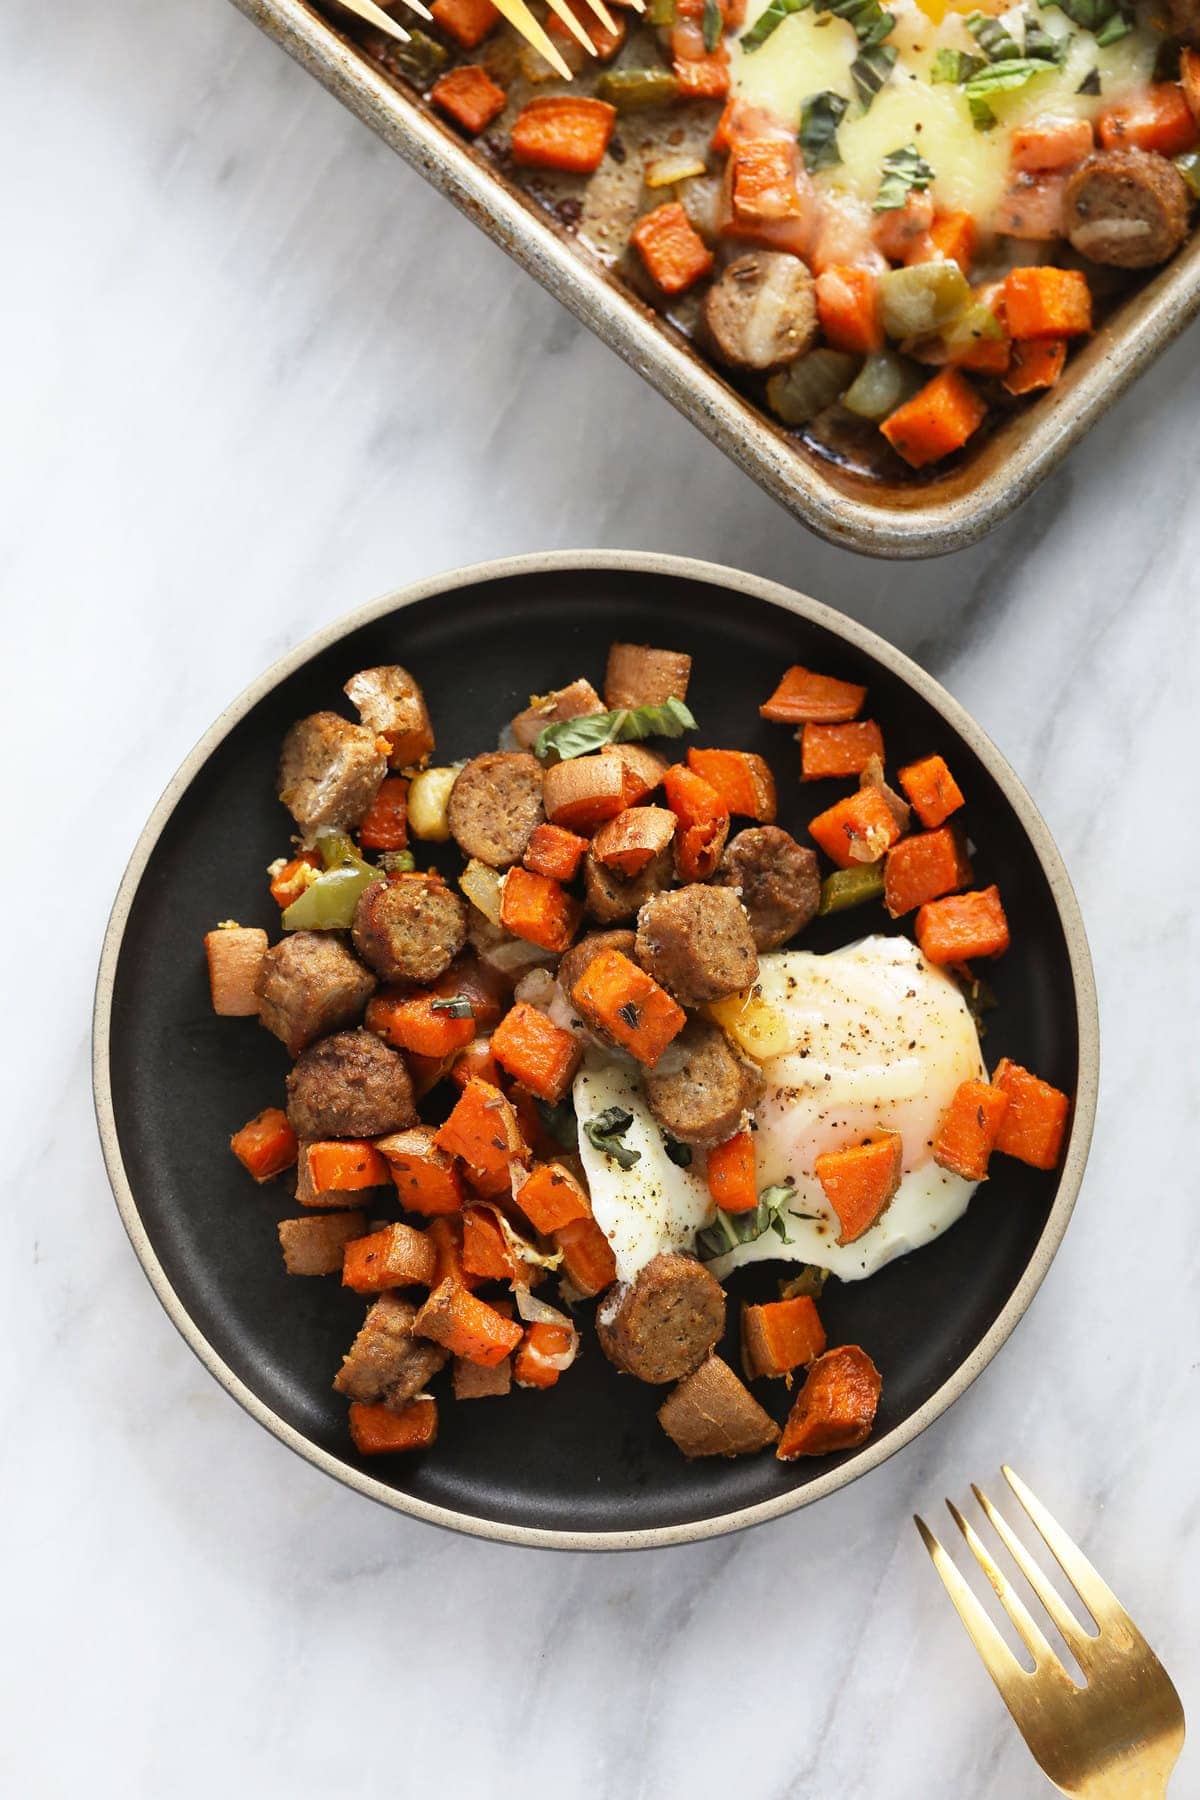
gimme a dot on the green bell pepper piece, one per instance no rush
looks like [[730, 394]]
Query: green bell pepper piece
[[843, 889]]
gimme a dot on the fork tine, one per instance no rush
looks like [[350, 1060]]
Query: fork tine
[[998, 1659], [562, 11], [1043, 1587], [1030, 1632], [522, 20], [1096, 1595], [602, 13]]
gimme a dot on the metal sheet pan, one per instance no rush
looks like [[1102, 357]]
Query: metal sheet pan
[[880, 519]]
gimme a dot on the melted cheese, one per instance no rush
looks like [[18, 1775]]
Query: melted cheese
[[812, 52]]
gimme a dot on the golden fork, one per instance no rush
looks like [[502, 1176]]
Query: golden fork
[[1118, 1737], [518, 15]]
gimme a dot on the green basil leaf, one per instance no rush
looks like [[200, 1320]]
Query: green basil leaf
[[904, 172], [560, 1121], [576, 737], [870, 69], [607, 1129], [1042, 45], [955, 66], [1004, 77], [1090, 83], [714, 25], [679, 1154], [997, 44], [770, 21], [728, 1230], [1111, 33], [457, 1006], [819, 121]]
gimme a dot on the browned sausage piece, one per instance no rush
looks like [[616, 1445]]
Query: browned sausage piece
[[1183, 18], [697, 943], [329, 771], [1189, 68], [350, 1085], [576, 959], [609, 896], [316, 1246], [495, 804], [699, 1089], [713, 1414], [639, 676], [309, 984], [665, 1322], [391, 704], [1128, 208], [643, 769], [779, 882], [761, 311], [573, 702], [411, 929], [386, 1365]]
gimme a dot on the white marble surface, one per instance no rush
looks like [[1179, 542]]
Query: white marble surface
[[256, 373]]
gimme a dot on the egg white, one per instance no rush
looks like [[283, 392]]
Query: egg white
[[811, 52], [867, 1038]]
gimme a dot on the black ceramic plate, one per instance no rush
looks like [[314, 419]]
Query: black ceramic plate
[[584, 1464]]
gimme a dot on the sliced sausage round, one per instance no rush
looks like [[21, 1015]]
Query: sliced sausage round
[[712, 1413], [609, 896], [350, 1085], [495, 804], [761, 312], [696, 941], [576, 959], [1128, 208], [699, 1089], [665, 1322], [309, 984], [329, 771], [778, 879], [410, 929]]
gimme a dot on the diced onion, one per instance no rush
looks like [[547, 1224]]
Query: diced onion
[[537, 1312], [428, 799], [481, 885], [665, 171]]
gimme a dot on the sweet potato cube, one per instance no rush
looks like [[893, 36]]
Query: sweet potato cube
[[619, 998], [827, 752], [967, 1133], [552, 1198], [554, 852], [466, 21], [377, 1431], [569, 132], [398, 1256], [860, 1183], [932, 789], [466, 1326], [235, 955], [743, 780], [484, 1250], [482, 1131], [803, 697], [588, 1259], [469, 96], [535, 1051], [781, 1336], [835, 1409], [426, 1178], [536, 1363], [923, 868], [266, 1145], [857, 830], [674, 254], [315, 1246], [344, 1166], [962, 927], [1035, 1119]]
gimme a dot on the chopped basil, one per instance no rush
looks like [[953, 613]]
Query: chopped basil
[[904, 172], [770, 20], [728, 1230], [870, 22], [1097, 16], [980, 1000], [1166, 60], [1042, 45], [631, 1014], [1090, 83], [456, 1007], [955, 66], [714, 25], [607, 1129], [999, 78], [575, 737], [560, 1122], [870, 70], [997, 44], [819, 122], [679, 1154]]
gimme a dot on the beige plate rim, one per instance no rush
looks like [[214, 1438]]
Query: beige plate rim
[[732, 581]]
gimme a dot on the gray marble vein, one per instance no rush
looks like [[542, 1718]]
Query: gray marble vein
[[255, 372]]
